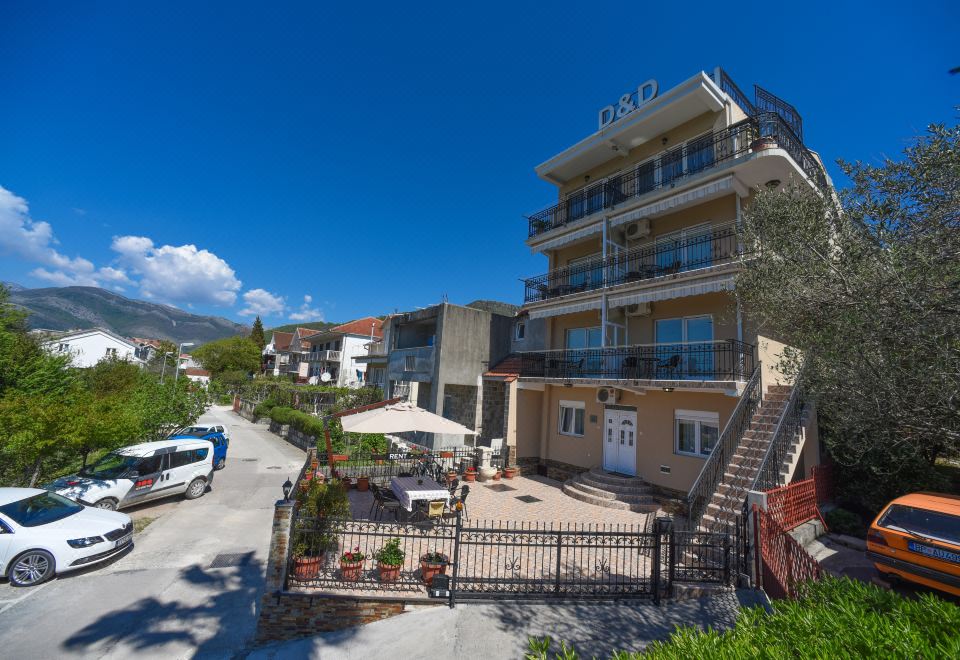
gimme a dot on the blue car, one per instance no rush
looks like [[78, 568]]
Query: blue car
[[220, 444]]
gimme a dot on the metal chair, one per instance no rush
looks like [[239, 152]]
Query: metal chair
[[460, 501], [452, 486], [670, 365], [384, 501], [436, 508]]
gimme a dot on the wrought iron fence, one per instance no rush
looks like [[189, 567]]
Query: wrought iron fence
[[722, 360], [380, 467], [497, 559], [665, 257], [671, 166], [712, 472]]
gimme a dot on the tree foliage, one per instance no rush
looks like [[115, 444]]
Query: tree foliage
[[869, 290], [229, 354], [257, 335]]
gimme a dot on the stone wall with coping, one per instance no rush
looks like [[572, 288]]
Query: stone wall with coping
[[492, 424]]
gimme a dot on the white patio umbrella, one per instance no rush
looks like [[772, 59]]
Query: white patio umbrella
[[401, 417]]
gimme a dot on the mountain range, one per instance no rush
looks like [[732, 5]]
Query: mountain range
[[82, 307]]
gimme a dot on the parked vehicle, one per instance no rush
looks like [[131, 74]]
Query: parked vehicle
[[141, 473], [43, 533], [199, 430], [917, 537], [220, 444]]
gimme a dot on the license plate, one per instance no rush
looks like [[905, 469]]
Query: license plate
[[123, 540], [933, 553]]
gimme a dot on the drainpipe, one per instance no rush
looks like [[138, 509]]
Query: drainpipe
[[603, 294]]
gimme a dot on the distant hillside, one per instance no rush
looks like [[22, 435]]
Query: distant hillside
[[81, 307], [290, 327]]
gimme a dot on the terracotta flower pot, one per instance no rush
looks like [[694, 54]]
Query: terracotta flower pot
[[306, 568], [363, 483], [761, 144], [347, 482], [388, 573], [496, 475], [469, 476], [510, 472], [451, 475], [351, 570], [429, 569]]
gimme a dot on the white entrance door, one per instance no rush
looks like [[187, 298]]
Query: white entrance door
[[620, 442]]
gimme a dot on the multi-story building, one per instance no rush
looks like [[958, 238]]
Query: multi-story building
[[436, 358], [645, 363], [86, 348], [276, 354], [336, 356]]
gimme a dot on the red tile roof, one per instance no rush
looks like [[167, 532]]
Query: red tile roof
[[361, 327], [508, 368], [281, 340], [193, 371]]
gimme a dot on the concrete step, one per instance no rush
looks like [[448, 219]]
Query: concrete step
[[637, 498], [605, 490], [598, 475], [609, 504]]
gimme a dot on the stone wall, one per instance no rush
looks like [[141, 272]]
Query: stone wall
[[494, 410], [460, 404]]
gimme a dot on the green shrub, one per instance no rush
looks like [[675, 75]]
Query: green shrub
[[863, 489], [320, 506], [834, 618], [841, 521]]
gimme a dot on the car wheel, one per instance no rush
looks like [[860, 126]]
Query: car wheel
[[107, 503], [222, 463], [196, 489], [32, 568]]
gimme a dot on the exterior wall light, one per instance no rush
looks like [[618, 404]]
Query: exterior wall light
[[667, 389], [773, 183]]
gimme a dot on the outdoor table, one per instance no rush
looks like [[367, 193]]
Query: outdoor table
[[408, 490]]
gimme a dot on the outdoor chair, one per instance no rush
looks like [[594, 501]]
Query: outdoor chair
[[630, 370], [461, 500], [436, 509], [671, 365], [404, 474], [385, 504], [453, 486]]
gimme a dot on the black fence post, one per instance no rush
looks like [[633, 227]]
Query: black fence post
[[456, 559], [556, 587], [655, 566]]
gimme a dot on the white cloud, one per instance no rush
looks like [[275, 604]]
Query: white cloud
[[260, 302], [33, 240], [306, 313], [178, 274]]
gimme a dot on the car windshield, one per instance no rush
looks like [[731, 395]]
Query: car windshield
[[40, 509], [111, 466], [194, 430], [923, 522]]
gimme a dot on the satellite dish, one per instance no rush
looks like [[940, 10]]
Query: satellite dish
[[326, 377], [312, 380]]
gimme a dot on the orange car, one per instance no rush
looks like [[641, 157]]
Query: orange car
[[917, 537]]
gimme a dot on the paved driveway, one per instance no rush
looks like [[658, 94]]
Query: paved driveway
[[165, 598]]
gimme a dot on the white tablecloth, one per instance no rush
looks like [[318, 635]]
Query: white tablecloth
[[408, 490]]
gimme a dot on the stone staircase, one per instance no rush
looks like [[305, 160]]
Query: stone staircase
[[743, 467], [611, 491]]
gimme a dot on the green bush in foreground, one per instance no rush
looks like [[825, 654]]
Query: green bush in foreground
[[835, 618]]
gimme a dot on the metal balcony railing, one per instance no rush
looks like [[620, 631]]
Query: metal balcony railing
[[720, 360], [322, 356], [670, 167], [703, 249]]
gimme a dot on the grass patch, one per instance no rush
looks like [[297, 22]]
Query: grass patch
[[140, 524]]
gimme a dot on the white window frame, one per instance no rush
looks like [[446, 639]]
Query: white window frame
[[520, 331], [574, 406], [409, 362], [699, 417]]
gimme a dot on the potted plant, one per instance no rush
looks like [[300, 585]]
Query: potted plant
[[470, 474], [363, 482], [510, 472], [305, 566], [351, 564], [451, 475], [763, 143], [390, 560], [496, 475], [431, 564]]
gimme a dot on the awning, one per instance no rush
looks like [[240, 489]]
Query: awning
[[694, 195], [569, 308], [400, 418], [677, 290], [559, 241]]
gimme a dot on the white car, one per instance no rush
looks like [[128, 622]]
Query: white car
[[141, 473], [203, 429], [42, 534]]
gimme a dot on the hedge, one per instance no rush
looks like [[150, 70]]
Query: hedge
[[834, 618]]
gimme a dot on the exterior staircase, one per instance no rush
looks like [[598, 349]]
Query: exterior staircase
[[741, 472], [611, 491]]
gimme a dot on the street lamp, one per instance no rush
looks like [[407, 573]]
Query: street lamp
[[179, 353], [287, 487], [164, 367]]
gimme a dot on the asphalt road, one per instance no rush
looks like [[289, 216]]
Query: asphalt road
[[164, 599]]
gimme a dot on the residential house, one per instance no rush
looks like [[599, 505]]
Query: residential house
[[644, 364], [276, 354], [298, 366], [88, 347], [436, 357], [147, 348], [337, 356], [376, 357], [197, 375]]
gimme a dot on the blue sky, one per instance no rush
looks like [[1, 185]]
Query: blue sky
[[316, 161]]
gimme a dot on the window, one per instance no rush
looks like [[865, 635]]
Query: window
[[696, 433], [583, 338], [410, 363], [700, 153], [580, 275], [149, 465], [111, 352], [571, 418], [187, 457], [63, 348], [671, 166], [521, 330], [935, 525]]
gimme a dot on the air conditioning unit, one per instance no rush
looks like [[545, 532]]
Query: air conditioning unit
[[637, 229], [640, 309], [608, 395]]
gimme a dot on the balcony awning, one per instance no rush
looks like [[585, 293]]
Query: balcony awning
[[560, 241], [677, 290], [694, 195], [569, 308]]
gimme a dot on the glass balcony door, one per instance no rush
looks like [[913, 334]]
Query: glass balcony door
[[685, 250], [684, 348]]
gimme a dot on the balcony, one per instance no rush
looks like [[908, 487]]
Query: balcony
[[723, 360], [670, 167], [322, 356], [713, 247]]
